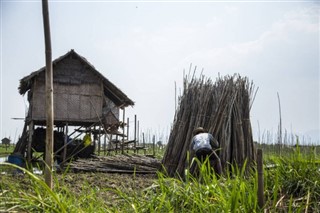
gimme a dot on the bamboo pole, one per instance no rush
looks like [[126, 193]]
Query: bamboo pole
[[135, 133], [64, 155], [223, 108], [99, 140], [128, 134], [29, 147], [49, 96], [153, 145], [280, 126], [260, 178], [123, 130], [104, 144]]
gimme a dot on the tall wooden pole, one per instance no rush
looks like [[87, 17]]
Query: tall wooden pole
[[31, 129], [49, 96], [123, 118], [135, 133], [64, 153]]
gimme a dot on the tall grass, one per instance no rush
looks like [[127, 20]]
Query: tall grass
[[29, 193], [292, 185], [206, 193]]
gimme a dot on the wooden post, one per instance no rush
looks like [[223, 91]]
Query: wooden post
[[117, 142], [123, 118], [135, 133], [127, 134], [109, 144], [104, 144], [128, 128], [49, 96], [153, 145], [260, 178], [99, 140], [29, 150], [138, 133], [64, 154], [144, 144]]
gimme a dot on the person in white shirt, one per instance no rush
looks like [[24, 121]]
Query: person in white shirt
[[203, 146]]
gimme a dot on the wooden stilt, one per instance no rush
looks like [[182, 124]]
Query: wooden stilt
[[144, 144], [104, 144], [29, 150], [135, 133], [99, 140], [153, 145], [127, 134], [123, 119], [64, 154]]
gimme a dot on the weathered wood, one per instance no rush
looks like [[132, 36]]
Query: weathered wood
[[29, 150], [123, 138], [135, 131], [49, 97], [64, 154], [117, 163]]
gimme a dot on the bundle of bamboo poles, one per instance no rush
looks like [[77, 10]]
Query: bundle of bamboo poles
[[223, 108], [118, 163]]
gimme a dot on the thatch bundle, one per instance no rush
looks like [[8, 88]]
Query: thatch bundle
[[223, 108]]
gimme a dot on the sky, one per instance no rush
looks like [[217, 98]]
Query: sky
[[144, 47]]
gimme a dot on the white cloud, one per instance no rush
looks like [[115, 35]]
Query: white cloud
[[233, 56]]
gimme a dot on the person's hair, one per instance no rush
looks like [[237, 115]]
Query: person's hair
[[198, 130]]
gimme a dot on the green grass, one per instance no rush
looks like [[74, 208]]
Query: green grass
[[204, 194], [5, 150], [29, 193], [294, 183], [291, 186]]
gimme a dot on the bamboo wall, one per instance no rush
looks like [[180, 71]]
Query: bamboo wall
[[78, 93], [110, 112], [221, 107]]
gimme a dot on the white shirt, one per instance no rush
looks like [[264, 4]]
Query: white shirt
[[203, 141]]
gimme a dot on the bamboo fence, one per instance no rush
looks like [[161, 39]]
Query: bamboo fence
[[223, 108]]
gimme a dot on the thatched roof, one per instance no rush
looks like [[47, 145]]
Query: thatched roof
[[110, 90]]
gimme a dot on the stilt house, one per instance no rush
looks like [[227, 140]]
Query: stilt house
[[82, 97]]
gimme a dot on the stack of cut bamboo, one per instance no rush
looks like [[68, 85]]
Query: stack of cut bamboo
[[118, 163], [221, 107]]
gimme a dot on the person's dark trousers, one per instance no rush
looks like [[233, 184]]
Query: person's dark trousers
[[202, 154]]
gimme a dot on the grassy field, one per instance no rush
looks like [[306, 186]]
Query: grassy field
[[291, 185]]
